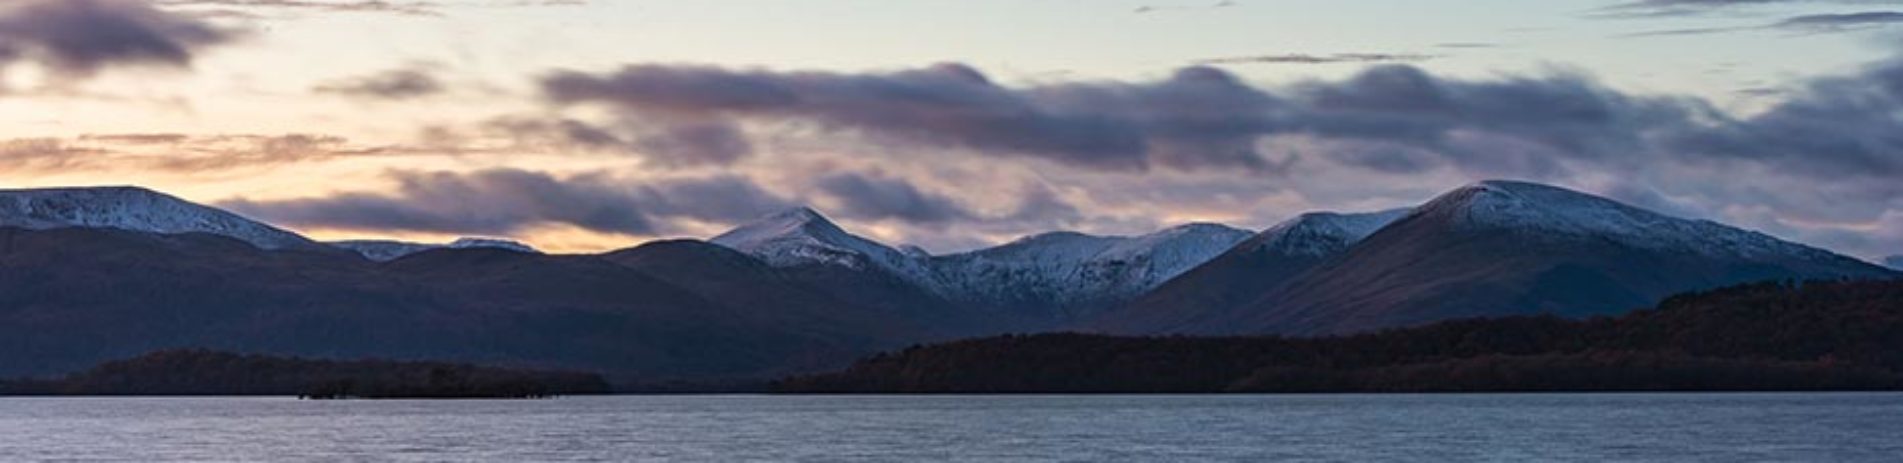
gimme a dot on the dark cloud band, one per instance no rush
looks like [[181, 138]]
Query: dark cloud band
[[510, 201], [80, 37], [396, 84]]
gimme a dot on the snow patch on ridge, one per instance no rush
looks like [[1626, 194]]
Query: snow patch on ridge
[[802, 236], [1071, 271], [1319, 234], [1052, 270], [134, 209], [1560, 212], [387, 250]]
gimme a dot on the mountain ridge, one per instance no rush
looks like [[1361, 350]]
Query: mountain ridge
[[1264, 260], [136, 209], [1515, 248], [389, 250]]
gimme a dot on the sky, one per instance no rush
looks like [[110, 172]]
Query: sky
[[588, 125]]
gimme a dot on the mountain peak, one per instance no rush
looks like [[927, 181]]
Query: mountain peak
[[800, 215], [1513, 204], [1195, 228], [492, 243], [388, 250], [135, 209], [1317, 234], [799, 223], [1559, 213], [801, 236]]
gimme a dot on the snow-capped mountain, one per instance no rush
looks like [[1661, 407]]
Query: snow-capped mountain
[[135, 209], [388, 250], [1559, 213], [1043, 276], [1069, 274], [1495, 249], [801, 236], [1894, 262]]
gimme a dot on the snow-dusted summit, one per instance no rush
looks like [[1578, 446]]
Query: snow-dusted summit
[[801, 236], [1071, 272], [1059, 271], [134, 209], [388, 250], [1560, 213], [1319, 234]]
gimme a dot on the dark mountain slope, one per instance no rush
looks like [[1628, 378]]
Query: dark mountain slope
[[1243, 273], [73, 297], [768, 296], [1836, 335]]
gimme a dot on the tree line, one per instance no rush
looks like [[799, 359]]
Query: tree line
[[204, 372], [1838, 335]]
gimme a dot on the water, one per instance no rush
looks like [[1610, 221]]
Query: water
[[1583, 427]]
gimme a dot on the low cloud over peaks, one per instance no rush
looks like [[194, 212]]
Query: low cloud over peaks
[[511, 201], [1191, 120], [880, 197], [1201, 118]]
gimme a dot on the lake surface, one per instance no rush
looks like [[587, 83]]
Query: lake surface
[[1504, 427]]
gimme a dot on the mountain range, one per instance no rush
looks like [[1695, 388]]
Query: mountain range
[[1485, 250], [90, 274]]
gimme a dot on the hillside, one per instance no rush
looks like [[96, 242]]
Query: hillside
[[139, 292], [1772, 336]]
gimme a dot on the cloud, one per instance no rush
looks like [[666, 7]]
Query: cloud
[[407, 8], [494, 202], [43, 154], [1148, 9], [80, 37], [1840, 22], [1843, 126], [1337, 58], [1666, 8], [397, 84], [1807, 24], [723, 199], [177, 153], [416, 8], [879, 197], [1199, 117], [511, 201]]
